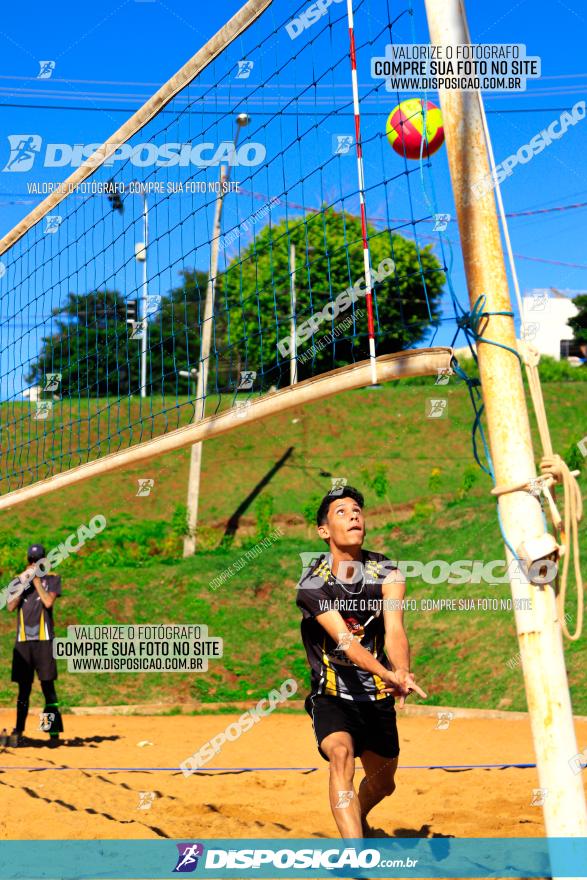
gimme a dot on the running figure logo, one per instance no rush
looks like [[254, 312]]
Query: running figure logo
[[138, 330], [342, 144], [43, 410], [52, 223], [23, 150], [344, 799], [46, 68], [46, 721], [146, 799], [246, 380], [244, 69], [437, 408], [443, 377], [540, 301], [187, 861], [153, 303], [344, 640], [441, 222], [528, 331], [338, 484], [241, 409], [52, 382], [444, 719]]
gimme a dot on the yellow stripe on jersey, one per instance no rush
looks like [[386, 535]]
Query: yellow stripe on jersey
[[331, 685], [372, 569], [21, 631], [43, 637], [323, 570]]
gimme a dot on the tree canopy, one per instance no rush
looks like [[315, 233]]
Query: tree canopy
[[95, 353], [255, 300], [578, 323]]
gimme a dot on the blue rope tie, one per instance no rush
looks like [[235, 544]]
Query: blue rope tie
[[470, 322]]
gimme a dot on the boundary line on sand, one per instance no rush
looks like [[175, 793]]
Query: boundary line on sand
[[213, 709]]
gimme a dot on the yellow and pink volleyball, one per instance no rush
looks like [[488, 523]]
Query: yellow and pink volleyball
[[407, 133]]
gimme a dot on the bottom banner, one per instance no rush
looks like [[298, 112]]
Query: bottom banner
[[272, 858]]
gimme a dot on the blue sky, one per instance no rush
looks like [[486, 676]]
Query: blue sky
[[113, 56]]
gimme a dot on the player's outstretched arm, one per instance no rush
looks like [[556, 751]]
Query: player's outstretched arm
[[334, 624], [397, 646]]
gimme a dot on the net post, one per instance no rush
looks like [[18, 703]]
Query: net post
[[539, 630]]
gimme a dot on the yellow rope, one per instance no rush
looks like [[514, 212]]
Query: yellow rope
[[555, 467], [556, 471]]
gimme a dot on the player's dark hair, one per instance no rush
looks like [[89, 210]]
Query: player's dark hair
[[336, 495]]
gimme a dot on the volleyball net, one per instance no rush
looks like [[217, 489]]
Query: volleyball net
[[212, 250]]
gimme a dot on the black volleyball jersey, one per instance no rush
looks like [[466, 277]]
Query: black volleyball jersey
[[34, 622], [361, 605]]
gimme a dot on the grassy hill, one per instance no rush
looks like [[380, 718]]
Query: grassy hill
[[426, 499]]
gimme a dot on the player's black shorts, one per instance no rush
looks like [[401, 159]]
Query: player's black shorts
[[371, 724], [29, 657]]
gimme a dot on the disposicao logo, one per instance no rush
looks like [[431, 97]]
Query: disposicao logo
[[24, 149], [187, 860]]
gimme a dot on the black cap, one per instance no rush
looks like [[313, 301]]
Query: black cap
[[35, 553]]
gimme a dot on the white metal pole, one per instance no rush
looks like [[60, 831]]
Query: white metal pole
[[144, 296], [293, 362], [193, 493], [539, 630]]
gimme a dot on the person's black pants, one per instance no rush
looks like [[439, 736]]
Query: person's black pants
[[28, 657]]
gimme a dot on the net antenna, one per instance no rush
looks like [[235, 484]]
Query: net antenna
[[362, 202]]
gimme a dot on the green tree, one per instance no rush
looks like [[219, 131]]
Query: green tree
[[174, 334], [93, 350], [578, 323], [91, 347], [254, 294]]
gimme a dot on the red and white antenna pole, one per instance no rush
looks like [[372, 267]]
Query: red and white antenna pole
[[361, 175]]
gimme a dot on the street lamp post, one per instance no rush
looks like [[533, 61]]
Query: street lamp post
[[293, 343], [141, 256], [193, 494], [293, 358]]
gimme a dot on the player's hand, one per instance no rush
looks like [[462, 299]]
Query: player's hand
[[402, 683]]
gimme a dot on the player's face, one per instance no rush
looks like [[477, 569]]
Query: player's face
[[345, 526]]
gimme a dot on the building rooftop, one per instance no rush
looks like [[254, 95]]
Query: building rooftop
[[553, 292]]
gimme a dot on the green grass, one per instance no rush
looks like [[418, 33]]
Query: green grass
[[426, 499]]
